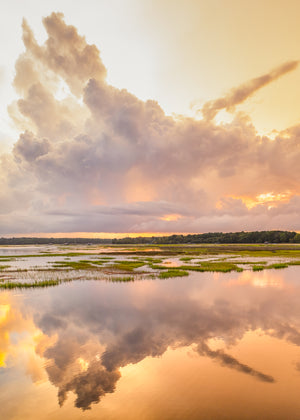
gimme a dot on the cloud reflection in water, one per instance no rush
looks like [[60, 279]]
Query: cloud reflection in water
[[102, 327]]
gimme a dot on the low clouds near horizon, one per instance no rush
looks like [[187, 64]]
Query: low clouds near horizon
[[91, 157]]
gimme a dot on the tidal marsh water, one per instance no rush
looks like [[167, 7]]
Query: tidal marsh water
[[211, 345]]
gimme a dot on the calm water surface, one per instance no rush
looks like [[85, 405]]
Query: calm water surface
[[209, 346]]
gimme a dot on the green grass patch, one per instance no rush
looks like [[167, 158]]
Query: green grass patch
[[153, 260], [277, 266], [223, 267], [23, 285], [105, 258], [250, 262], [294, 262], [173, 273], [126, 265], [258, 267], [75, 265], [285, 253], [158, 267]]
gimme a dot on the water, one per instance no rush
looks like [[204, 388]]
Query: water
[[209, 346]]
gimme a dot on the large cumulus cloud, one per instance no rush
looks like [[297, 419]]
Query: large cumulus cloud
[[97, 158]]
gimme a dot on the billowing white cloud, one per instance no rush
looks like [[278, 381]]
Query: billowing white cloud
[[99, 159]]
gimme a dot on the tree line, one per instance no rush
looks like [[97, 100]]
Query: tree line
[[257, 237]]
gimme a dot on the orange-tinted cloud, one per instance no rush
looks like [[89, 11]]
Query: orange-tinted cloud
[[122, 165], [239, 94]]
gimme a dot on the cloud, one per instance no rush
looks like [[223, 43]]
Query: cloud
[[97, 158], [65, 52], [2, 74], [239, 94]]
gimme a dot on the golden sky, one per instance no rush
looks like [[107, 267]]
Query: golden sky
[[149, 116]]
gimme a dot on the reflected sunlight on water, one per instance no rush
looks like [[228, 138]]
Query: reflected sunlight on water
[[212, 345]]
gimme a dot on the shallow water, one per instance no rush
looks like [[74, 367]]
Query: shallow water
[[207, 346]]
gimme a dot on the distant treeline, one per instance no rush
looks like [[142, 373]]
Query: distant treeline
[[270, 236]]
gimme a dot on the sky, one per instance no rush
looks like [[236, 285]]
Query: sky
[[141, 117]]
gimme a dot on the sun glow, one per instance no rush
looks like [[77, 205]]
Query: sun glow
[[270, 198], [4, 337], [263, 280], [171, 217], [4, 309], [83, 364]]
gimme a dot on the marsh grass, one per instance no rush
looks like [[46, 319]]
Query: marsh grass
[[277, 266], [105, 258], [187, 258], [158, 267], [25, 285], [173, 273], [126, 265], [258, 267], [264, 267], [286, 253], [75, 265], [250, 262], [297, 262], [223, 258], [153, 260], [223, 267]]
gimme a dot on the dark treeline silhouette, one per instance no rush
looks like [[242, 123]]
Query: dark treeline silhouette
[[259, 237], [273, 236]]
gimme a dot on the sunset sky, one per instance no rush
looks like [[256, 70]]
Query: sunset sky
[[139, 116]]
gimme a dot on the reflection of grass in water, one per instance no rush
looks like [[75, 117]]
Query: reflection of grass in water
[[173, 273], [116, 279]]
